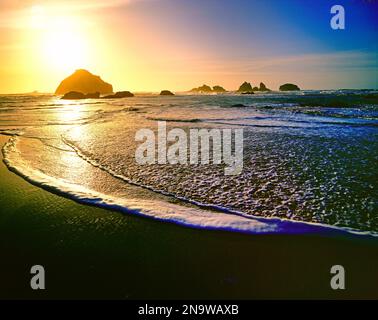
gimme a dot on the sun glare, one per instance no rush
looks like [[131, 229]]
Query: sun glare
[[63, 45], [64, 50]]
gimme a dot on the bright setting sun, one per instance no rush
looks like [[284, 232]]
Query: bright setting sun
[[63, 45]]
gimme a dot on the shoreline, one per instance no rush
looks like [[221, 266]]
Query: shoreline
[[106, 254], [240, 222]]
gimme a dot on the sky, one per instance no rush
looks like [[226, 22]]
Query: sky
[[151, 45]]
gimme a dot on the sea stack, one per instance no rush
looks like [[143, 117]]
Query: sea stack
[[85, 82], [289, 87], [119, 95], [74, 95], [202, 89], [166, 93], [246, 87], [263, 87], [219, 89]]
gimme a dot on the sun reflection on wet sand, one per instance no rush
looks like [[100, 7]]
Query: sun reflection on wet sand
[[70, 117], [72, 167], [70, 112]]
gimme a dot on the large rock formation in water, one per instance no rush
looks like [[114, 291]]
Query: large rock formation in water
[[289, 87], [85, 82]]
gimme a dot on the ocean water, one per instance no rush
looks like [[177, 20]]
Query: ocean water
[[310, 158]]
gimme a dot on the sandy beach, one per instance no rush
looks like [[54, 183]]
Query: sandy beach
[[90, 252]]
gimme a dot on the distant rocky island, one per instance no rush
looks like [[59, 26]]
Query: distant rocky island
[[207, 89], [166, 93], [246, 88], [85, 82], [261, 88], [289, 87], [219, 89]]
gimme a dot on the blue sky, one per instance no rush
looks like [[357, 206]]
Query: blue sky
[[289, 39]]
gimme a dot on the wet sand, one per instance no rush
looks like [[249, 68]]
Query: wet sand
[[90, 252]]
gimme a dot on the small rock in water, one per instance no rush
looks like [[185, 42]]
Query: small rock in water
[[119, 95], [75, 95], [166, 93]]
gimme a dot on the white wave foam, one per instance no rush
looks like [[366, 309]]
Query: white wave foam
[[161, 210]]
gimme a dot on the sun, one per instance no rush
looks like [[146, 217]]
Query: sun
[[63, 46], [64, 50]]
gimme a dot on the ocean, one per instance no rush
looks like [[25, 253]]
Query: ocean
[[309, 163]]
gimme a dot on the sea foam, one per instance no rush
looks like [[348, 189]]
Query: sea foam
[[161, 210]]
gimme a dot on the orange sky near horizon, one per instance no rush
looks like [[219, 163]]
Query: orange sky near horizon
[[45, 43], [42, 42]]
